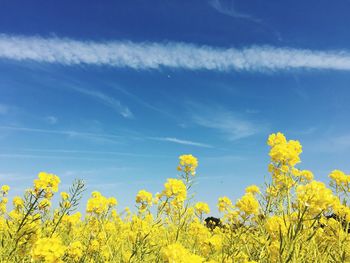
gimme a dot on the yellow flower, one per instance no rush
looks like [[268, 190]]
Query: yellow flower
[[72, 219], [64, 195], [5, 188], [252, 189], [188, 164], [47, 182], [75, 250], [48, 250], [224, 204], [177, 253], [5, 200], [144, 197], [202, 207], [315, 196], [112, 201], [339, 177], [94, 246], [308, 175], [275, 139], [175, 188], [283, 151], [272, 191], [18, 202], [248, 204], [215, 242], [97, 204], [274, 250], [275, 225]]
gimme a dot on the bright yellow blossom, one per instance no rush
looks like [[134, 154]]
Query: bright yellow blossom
[[64, 195], [202, 207], [224, 204], [340, 178], [175, 188], [49, 250], [144, 197], [177, 253], [252, 189], [18, 202], [47, 182], [188, 164], [75, 251], [5, 188], [248, 204]]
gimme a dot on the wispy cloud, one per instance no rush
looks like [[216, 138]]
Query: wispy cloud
[[13, 177], [331, 144], [143, 102], [70, 133], [98, 136], [184, 142], [228, 8], [173, 55], [51, 119], [233, 125], [44, 156], [107, 100], [88, 152], [3, 109]]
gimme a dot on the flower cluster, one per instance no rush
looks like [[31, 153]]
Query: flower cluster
[[99, 204], [175, 188], [293, 219], [202, 208], [144, 198], [282, 151], [48, 250], [188, 164], [46, 183]]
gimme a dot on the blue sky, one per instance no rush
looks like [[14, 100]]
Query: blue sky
[[114, 92]]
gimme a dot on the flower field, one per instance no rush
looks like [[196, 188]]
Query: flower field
[[292, 218]]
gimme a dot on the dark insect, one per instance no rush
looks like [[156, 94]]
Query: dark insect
[[345, 224], [213, 222]]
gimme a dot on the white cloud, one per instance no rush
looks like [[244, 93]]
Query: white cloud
[[173, 55], [184, 142], [229, 123]]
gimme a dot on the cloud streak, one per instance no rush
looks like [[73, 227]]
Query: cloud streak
[[230, 10], [99, 136], [3, 109], [183, 142], [148, 56], [232, 125], [88, 152], [33, 156], [69, 133], [107, 100]]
